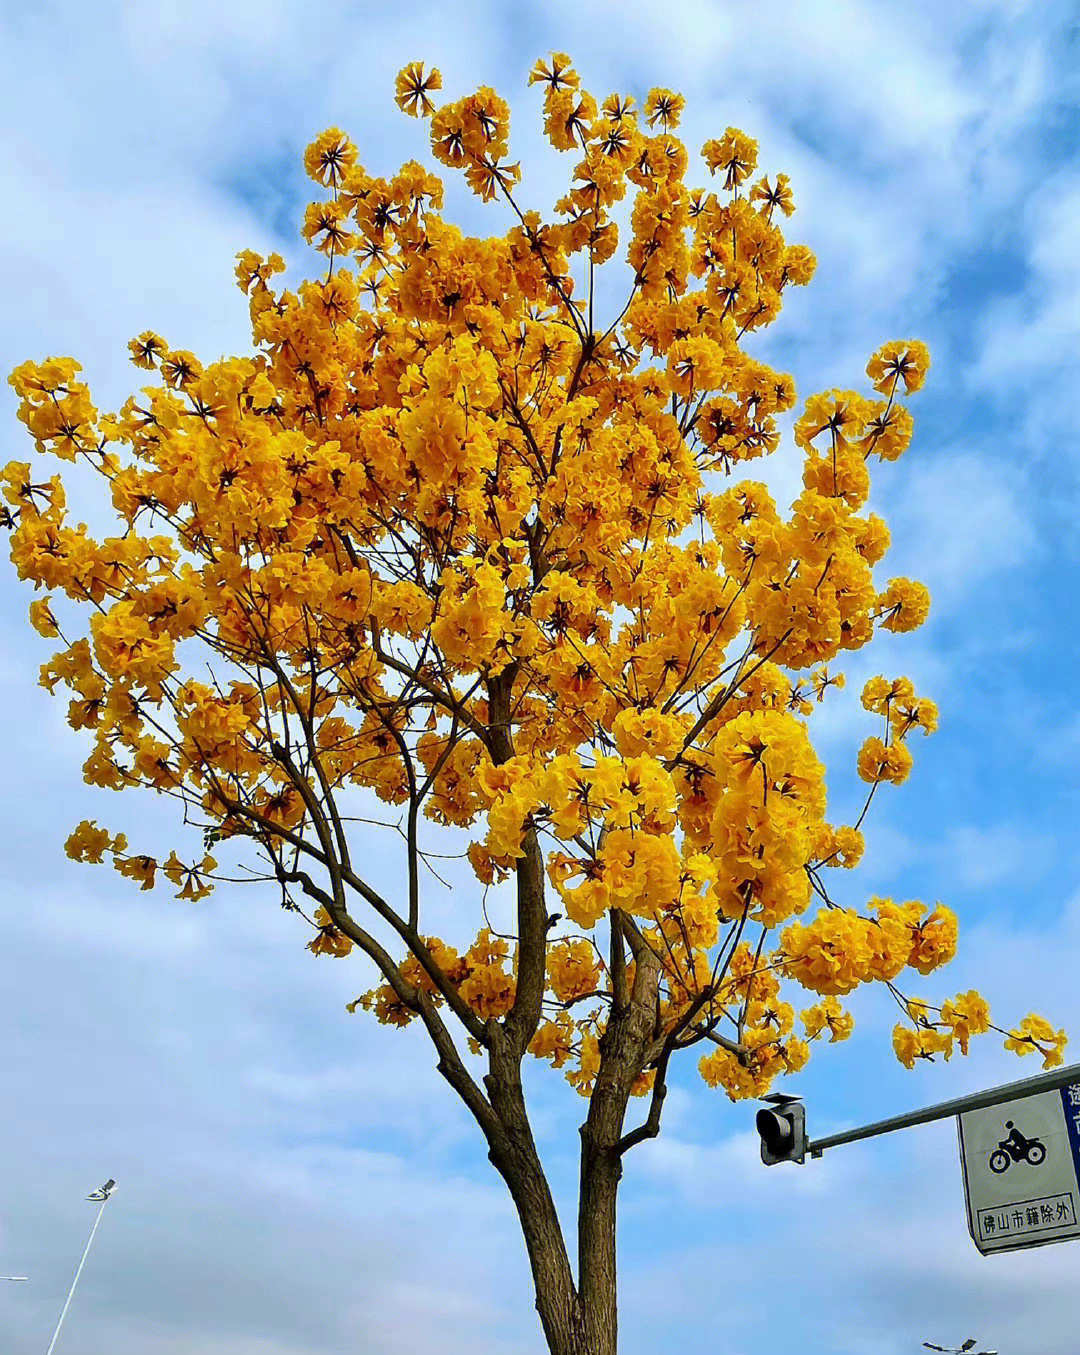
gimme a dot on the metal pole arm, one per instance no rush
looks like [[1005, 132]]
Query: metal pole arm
[[1011, 1091]]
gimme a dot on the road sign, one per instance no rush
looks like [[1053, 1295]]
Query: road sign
[[1021, 1163]]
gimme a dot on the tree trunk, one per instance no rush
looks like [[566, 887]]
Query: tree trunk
[[577, 1319], [624, 1051], [600, 1172], [581, 1318], [513, 1152]]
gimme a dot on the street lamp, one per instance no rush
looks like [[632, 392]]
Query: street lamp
[[102, 1194], [968, 1346]]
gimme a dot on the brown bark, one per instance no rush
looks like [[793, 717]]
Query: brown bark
[[625, 1050], [601, 1170], [581, 1318], [513, 1152]]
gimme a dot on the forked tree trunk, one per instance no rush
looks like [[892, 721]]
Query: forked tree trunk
[[578, 1318]]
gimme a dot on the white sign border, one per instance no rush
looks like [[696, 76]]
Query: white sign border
[[1021, 1244]]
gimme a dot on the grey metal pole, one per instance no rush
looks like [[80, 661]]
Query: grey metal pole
[[103, 1195], [1011, 1091]]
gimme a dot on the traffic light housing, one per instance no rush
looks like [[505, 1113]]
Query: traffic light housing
[[782, 1130]]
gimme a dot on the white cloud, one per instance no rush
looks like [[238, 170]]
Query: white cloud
[[1038, 328], [958, 519]]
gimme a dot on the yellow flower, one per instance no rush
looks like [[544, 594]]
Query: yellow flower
[[1036, 1033], [967, 1014], [558, 74], [910, 1045], [329, 939], [774, 195], [488, 987], [329, 157], [383, 1001], [878, 762], [917, 713], [554, 1040], [664, 107], [735, 153], [906, 360], [90, 843], [888, 431], [147, 350], [905, 605], [934, 940], [831, 955], [324, 227], [42, 619], [828, 1015], [413, 89], [190, 880], [572, 970], [881, 696], [141, 868]]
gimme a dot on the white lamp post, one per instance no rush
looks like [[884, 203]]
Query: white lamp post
[[101, 1194]]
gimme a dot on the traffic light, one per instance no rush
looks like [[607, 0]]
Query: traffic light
[[782, 1129]]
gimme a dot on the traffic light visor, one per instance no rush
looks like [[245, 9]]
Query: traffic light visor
[[776, 1130]]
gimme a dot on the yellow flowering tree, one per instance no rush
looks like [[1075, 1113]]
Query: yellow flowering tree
[[452, 537]]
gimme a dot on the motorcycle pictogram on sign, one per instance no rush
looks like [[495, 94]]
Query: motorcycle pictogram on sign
[[1015, 1147]]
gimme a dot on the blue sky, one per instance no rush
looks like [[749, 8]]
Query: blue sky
[[294, 1181]]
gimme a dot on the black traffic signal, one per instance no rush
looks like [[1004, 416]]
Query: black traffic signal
[[782, 1129]]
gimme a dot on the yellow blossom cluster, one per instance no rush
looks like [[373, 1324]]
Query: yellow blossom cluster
[[1036, 1034], [888, 758], [936, 1030], [830, 1016], [483, 977], [767, 1045], [89, 843], [840, 948]]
